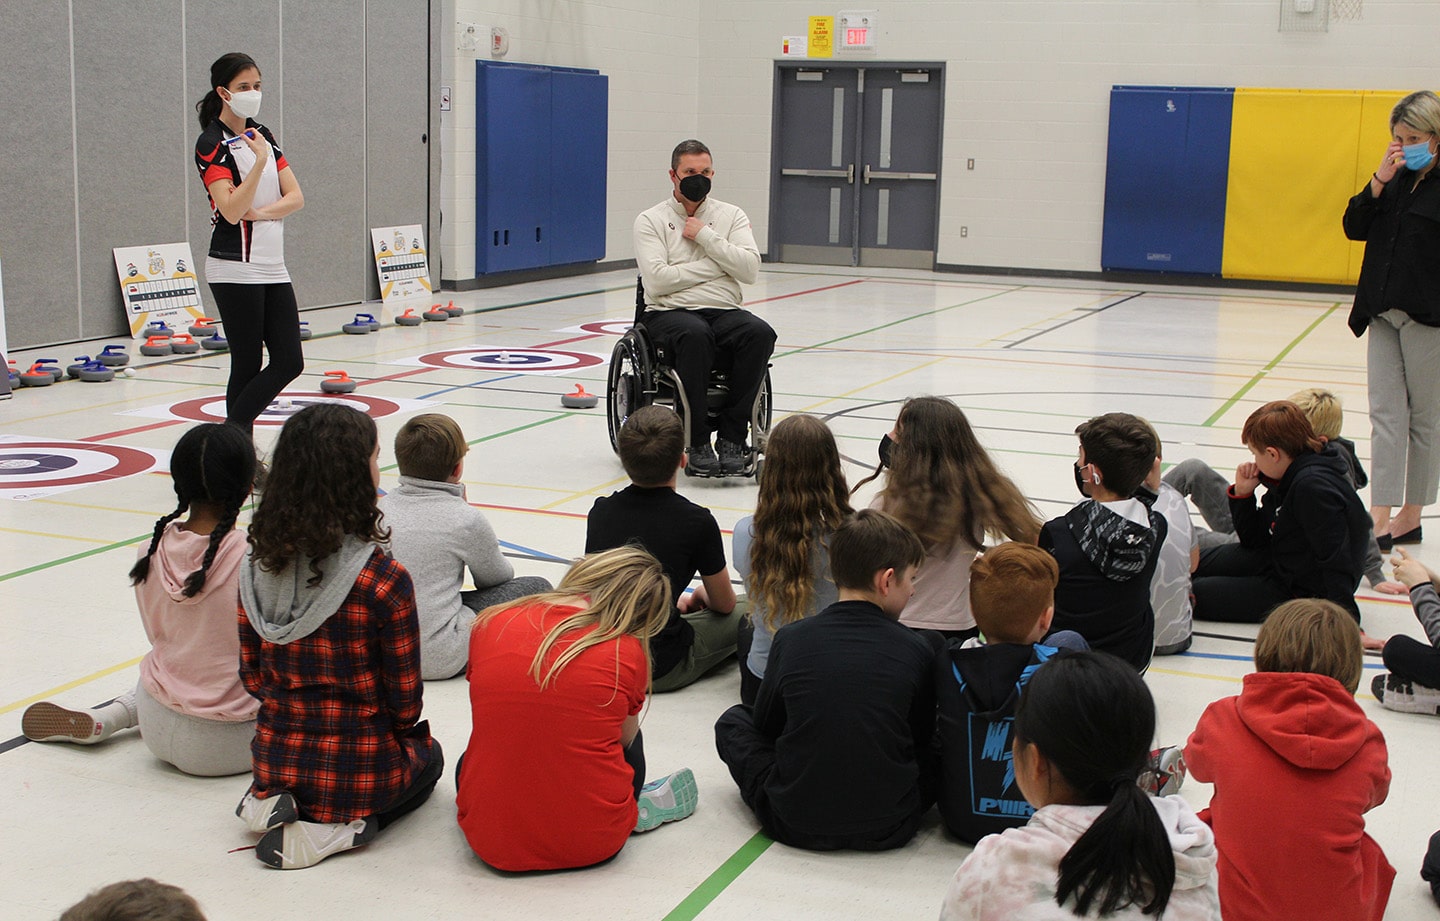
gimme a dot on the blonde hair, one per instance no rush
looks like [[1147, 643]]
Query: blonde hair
[[1311, 635], [1419, 110], [1322, 408], [429, 446], [628, 594]]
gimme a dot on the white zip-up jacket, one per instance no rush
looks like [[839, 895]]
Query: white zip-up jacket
[[681, 274]]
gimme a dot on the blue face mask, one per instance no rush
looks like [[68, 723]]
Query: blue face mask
[[1417, 156]]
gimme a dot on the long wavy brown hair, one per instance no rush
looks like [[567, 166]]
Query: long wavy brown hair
[[319, 489], [944, 485], [802, 498]]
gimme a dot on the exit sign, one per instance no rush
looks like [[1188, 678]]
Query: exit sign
[[856, 30]]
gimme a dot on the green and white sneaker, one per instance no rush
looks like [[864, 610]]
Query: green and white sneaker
[[261, 815], [669, 799], [304, 844]]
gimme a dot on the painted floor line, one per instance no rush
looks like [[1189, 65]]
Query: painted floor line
[[702, 895], [70, 685], [1086, 315], [1261, 374]]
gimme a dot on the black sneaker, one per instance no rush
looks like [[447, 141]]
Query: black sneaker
[[732, 457], [703, 461]]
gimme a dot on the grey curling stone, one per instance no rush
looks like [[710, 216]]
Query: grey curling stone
[[364, 323], [113, 356], [408, 319], [184, 346], [51, 367], [437, 313], [156, 350], [305, 331], [454, 311], [158, 329], [215, 343], [96, 373], [579, 400], [36, 379], [200, 332], [80, 362], [334, 386]]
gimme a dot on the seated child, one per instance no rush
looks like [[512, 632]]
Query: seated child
[[1296, 765], [189, 704], [683, 536], [137, 899], [557, 683], [1170, 588], [436, 535], [330, 645], [1108, 546], [1305, 539], [1196, 480], [1413, 684], [835, 753], [1012, 595], [1098, 845]]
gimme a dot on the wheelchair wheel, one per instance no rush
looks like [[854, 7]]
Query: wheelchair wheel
[[761, 415], [628, 387]]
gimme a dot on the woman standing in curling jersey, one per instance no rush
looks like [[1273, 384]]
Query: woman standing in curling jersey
[[1397, 214], [251, 189]]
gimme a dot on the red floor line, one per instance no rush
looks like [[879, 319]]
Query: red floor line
[[394, 377], [139, 428], [551, 345], [781, 297]]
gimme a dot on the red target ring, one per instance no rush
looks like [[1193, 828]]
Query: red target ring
[[512, 361], [608, 327], [212, 409], [47, 457]]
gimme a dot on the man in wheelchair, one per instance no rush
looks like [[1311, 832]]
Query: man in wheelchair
[[694, 252]]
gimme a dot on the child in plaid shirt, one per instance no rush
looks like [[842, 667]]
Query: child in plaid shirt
[[330, 644]]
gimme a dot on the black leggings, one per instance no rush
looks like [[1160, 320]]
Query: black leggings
[[1413, 660], [254, 316]]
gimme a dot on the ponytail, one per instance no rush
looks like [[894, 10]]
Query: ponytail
[[1092, 717], [141, 569], [209, 108], [1122, 859]]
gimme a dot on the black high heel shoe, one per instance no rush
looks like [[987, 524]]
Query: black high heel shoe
[[1412, 536]]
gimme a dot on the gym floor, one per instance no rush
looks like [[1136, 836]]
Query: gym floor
[[1026, 359]]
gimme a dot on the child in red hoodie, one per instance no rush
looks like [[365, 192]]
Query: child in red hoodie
[[1296, 765]]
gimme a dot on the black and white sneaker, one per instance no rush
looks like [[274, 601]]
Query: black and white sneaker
[[733, 457], [304, 844], [261, 815], [702, 461], [1395, 693]]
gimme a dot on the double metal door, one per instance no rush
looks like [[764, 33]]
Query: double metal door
[[855, 163]]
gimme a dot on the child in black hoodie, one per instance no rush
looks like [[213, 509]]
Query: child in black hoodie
[[1305, 539], [1107, 547]]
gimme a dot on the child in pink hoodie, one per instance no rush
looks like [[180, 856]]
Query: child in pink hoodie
[[1296, 765], [191, 708]]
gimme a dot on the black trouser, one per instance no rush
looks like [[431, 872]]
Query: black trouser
[[255, 316], [1235, 584], [1413, 660], [634, 756], [695, 338], [1430, 866], [751, 757]]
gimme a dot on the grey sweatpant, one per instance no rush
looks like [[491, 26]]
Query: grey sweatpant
[[205, 748], [1402, 358]]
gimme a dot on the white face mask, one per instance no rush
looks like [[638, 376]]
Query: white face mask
[[246, 104]]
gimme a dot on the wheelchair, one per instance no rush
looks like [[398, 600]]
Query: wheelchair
[[641, 375]]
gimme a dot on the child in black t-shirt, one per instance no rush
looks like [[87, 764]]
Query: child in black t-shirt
[[836, 753], [683, 536], [978, 685]]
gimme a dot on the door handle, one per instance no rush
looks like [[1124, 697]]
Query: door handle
[[876, 174], [847, 174]]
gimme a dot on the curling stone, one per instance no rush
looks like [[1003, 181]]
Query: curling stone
[[364, 323], [337, 382], [305, 331], [203, 327], [113, 356], [95, 373], [156, 346], [158, 328], [454, 311], [80, 362], [436, 313], [14, 374], [408, 318], [184, 344], [37, 376], [215, 343], [50, 366], [579, 399]]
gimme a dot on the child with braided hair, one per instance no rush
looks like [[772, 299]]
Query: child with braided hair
[[192, 710]]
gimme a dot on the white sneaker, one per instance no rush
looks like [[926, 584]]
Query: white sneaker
[[262, 814], [1395, 693], [669, 799], [304, 844], [47, 722]]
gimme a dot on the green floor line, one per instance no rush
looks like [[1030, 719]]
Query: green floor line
[[928, 313], [702, 895], [1260, 375]]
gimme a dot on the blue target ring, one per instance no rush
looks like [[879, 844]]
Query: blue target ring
[[517, 360], [507, 361], [30, 464]]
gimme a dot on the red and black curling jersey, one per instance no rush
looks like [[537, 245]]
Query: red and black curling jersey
[[258, 242]]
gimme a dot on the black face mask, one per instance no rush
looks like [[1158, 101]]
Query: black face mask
[[886, 443], [1080, 483], [695, 188]]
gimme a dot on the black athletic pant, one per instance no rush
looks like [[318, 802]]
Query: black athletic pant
[[695, 338], [255, 316], [1413, 660], [1236, 585]]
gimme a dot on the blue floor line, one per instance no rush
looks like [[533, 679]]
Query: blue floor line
[[492, 380], [1217, 655], [535, 553]]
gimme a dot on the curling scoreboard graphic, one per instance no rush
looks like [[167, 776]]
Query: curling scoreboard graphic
[[158, 283], [401, 263]]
